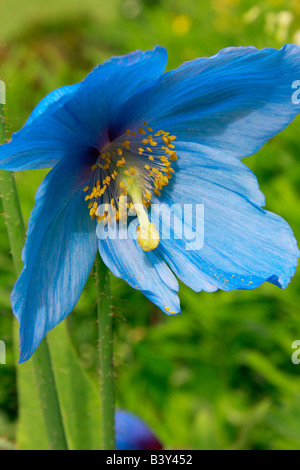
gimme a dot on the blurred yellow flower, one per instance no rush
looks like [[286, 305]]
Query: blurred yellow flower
[[181, 25], [296, 37]]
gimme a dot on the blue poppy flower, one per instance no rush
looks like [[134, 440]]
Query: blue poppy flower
[[130, 134], [133, 434]]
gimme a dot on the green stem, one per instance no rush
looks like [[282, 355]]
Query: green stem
[[49, 397], [41, 359], [105, 321]]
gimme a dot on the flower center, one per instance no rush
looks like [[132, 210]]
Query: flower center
[[127, 173]]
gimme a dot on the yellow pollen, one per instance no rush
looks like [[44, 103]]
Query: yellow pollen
[[131, 179], [170, 152], [121, 162], [126, 144]]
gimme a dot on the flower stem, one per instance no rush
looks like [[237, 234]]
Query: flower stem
[[41, 359], [105, 321]]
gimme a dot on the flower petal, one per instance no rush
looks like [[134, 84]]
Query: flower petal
[[37, 145], [79, 115], [145, 271], [233, 101], [220, 168], [244, 245], [52, 101], [58, 255], [133, 434], [105, 89]]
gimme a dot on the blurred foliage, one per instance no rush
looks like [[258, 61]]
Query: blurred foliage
[[220, 376]]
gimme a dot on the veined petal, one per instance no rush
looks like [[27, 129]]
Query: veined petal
[[79, 115], [244, 245], [58, 254], [233, 101], [106, 88], [34, 146], [52, 101], [145, 271], [126, 75], [220, 168]]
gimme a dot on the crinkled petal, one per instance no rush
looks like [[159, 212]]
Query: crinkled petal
[[105, 89], [145, 271], [35, 146], [58, 255], [243, 246], [79, 116], [52, 102], [233, 101]]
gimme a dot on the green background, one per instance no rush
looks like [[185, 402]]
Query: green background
[[220, 376]]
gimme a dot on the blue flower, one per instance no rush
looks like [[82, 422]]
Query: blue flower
[[133, 434], [131, 135]]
